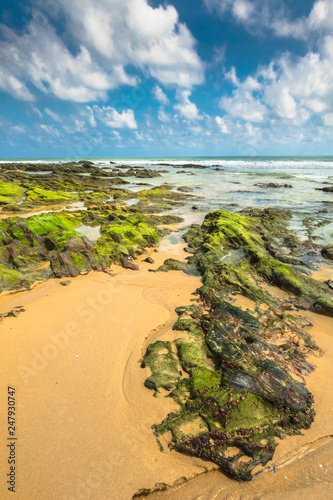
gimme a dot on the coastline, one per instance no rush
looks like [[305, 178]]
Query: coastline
[[83, 409]]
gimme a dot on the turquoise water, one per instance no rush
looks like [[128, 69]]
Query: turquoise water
[[234, 185]]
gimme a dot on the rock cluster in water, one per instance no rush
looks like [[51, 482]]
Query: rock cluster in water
[[28, 244]]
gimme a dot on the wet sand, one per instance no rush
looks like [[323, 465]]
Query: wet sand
[[83, 414]]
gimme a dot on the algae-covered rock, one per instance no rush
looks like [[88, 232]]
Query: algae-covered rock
[[27, 244], [327, 251], [163, 365], [244, 383]]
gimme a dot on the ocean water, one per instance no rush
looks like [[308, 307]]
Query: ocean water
[[234, 185]]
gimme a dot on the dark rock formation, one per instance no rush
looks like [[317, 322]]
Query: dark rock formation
[[242, 388]]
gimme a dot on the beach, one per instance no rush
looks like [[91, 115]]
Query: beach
[[74, 347], [83, 414]]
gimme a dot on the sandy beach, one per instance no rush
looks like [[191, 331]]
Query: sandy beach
[[83, 414], [166, 250]]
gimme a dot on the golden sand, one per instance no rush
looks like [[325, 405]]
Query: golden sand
[[83, 414]]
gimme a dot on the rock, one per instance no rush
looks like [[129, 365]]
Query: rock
[[239, 389], [327, 252], [63, 266], [329, 283], [149, 260], [195, 207], [128, 265], [184, 189], [117, 238], [146, 174], [65, 283], [77, 244], [273, 185]]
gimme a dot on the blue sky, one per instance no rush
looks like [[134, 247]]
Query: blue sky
[[176, 78]]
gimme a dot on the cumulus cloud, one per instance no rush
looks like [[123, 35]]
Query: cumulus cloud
[[290, 89], [111, 118], [41, 58], [160, 95], [106, 37], [259, 15], [186, 108], [222, 125]]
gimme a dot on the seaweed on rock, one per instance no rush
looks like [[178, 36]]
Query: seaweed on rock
[[244, 385], [27, 244]]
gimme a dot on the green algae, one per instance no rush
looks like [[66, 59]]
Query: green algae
[[241, 377], [26, 243], [44, 196], [164, 366], [10, 193]]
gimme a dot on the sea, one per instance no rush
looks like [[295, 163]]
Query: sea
[[235, 183]]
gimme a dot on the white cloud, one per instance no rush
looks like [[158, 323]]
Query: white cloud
[[36, 110], [163, 116], [328, 119], [258, 15], [52, 114], [111, 118], [242, 10], [50, 130], [290, 89], [91, 119], [108, 36], [222, 125], [160, 95], [9, 83], [186, 108], [242, 103], [18, 129]]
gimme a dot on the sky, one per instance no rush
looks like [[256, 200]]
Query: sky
[[137, 78]]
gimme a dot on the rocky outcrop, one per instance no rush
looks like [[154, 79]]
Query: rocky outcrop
[[245, 370]]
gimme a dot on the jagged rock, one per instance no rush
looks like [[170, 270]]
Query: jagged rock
[[240, 390], [128, 265], [327, 252]]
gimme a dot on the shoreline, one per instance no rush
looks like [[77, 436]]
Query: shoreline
[[83, 410]]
